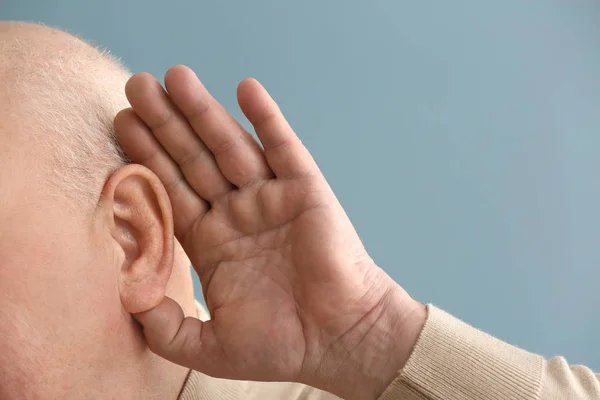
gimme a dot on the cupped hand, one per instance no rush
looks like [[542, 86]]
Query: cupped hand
[[292, 293]]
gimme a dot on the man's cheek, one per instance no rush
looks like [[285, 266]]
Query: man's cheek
[[23, 346]]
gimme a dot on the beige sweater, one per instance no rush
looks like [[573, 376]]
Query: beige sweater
[[451, 361]]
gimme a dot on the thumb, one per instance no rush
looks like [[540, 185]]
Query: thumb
[[186, 341]]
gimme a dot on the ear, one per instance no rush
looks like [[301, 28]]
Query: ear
[[138, 211]]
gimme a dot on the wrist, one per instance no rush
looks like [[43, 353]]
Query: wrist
[[390, 334]]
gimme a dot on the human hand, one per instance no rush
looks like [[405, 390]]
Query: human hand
[[292, 293]]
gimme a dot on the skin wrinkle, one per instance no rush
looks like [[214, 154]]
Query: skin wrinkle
[[65, 332]]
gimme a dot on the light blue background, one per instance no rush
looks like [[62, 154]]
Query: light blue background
[[462, 137]]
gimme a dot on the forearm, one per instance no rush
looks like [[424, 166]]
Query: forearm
[[453, 361]]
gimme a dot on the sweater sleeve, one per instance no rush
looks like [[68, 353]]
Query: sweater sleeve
[[454, 361]]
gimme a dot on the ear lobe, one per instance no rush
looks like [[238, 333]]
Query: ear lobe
[[142, 229]]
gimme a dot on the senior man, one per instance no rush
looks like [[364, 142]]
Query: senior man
[[88, 254]]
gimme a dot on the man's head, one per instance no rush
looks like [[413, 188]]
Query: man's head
[[84, 238], [65, 94]]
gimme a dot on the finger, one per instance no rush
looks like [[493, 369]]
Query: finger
[[285, 153], [150, 101], [238, 154], [183, 340], [142, 148]]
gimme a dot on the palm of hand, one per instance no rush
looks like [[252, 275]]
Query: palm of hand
[[267, 253]]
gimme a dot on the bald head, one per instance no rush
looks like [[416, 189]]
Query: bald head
[[58, 98]]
